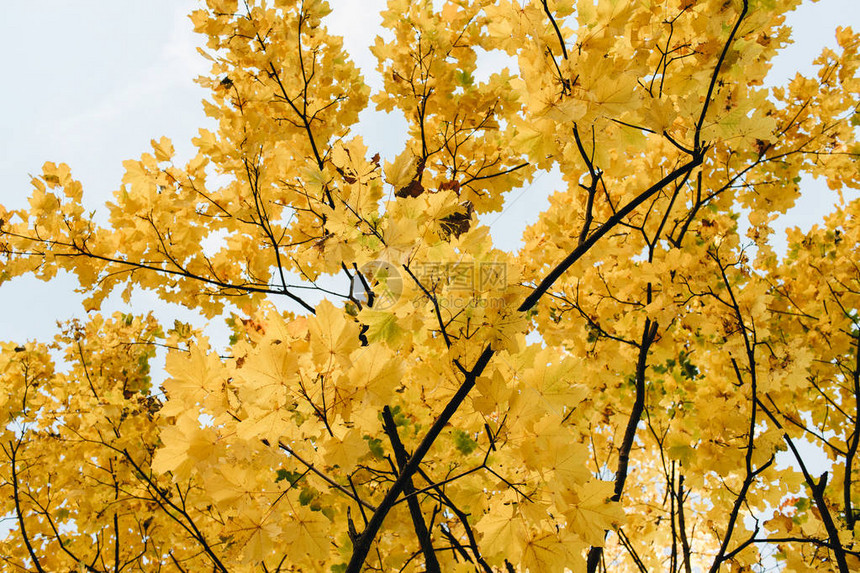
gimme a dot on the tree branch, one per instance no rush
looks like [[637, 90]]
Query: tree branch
[[430, 562]]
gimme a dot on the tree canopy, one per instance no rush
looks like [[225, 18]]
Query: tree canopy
[[634, 389]]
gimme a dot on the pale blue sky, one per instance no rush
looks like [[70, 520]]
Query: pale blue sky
[[90, 83]]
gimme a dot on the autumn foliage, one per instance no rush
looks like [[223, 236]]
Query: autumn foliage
[[634, 390]]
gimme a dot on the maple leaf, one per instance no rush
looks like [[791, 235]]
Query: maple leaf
[[645, 375]]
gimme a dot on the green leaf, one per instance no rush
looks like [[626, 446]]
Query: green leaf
[[306, 496], [375, 446], [464, 443], [291, 477]]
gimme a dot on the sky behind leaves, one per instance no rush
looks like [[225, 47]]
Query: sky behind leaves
[[90, 83]]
